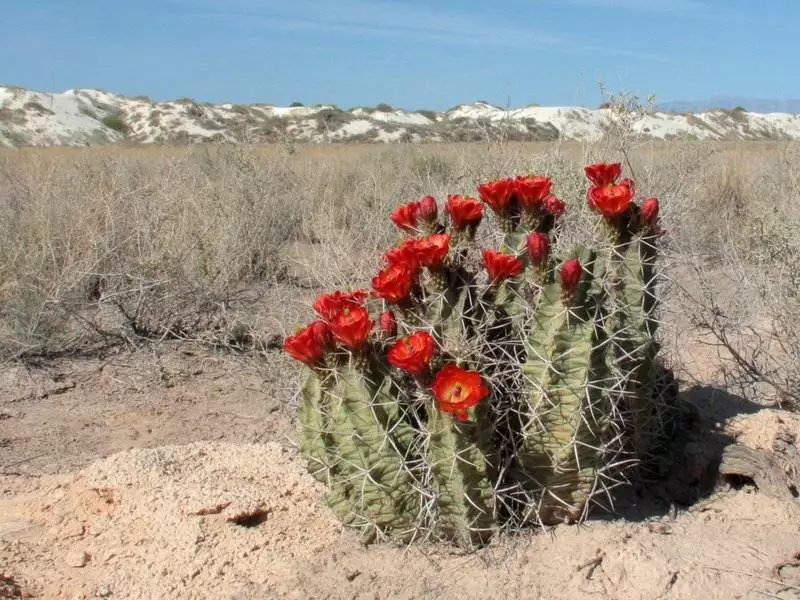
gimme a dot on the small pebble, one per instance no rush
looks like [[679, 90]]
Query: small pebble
[[77, 558]]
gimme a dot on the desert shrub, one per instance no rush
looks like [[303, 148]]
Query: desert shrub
[[215, 219], [37, 108], [429, 114], [331, 119], [296, 105], [383, 107], [116, 122]]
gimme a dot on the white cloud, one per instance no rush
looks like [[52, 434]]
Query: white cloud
[[674, 7], [393, 19]]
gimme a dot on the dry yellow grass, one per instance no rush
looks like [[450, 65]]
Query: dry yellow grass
[[166, 233]]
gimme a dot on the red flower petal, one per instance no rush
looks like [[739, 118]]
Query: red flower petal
[[501, 266], [611, 200], [351, 326], [464, 212], [601, 174], [532, 191], [308, 345], [394, 283], [413, 353], [405, 216], [456, 390], [330, 304]]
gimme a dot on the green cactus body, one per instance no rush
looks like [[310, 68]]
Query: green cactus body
[[315, 440], [565, 420], [632, 329], [365, 450], [573, 372], [462, 461]]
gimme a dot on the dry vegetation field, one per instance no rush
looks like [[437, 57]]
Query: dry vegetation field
[[144, 295]]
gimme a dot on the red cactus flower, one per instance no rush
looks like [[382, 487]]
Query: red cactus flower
[[457, 390], [428, 211], [413, 353], [539, 247], [405, 216], [428, 251], [531, 191], [501, 266], [405, 252], [329, 304], [497, 194], [571, 273], [554, 206], [601, 174], [308, 344], [388, 323], [351, 326], [611, 200], [631, 185], [464, 212], [432, 250], [394, 283], [648, 213]]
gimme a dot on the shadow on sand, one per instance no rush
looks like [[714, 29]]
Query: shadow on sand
[[687, 470]]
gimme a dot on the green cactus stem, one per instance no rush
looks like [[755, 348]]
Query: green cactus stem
[[462, 462], [363, 449], [565, 422]]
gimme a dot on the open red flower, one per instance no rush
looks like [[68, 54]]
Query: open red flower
[[308, 345], [428, 211], [571, 273], [531, 191], [601, 174], [648, 213], [351, 326], [429, 251], [464, 212], [497, 194], [539, 247], [413, 353], [394, 282], [457, 390], [329, 304], [501, 266], [405, 252], [612, 200], [432, 250], [554, 206], [405, 216]]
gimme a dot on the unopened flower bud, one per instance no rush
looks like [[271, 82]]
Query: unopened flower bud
[[539, 247], [388, 323], [571, 272], [648, 213]]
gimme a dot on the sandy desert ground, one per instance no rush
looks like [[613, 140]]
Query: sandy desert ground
[[158, 468], [175, 476]]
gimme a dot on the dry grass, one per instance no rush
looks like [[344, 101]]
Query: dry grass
[[173, 237]]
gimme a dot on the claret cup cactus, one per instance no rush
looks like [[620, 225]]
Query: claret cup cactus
[[479, 389]]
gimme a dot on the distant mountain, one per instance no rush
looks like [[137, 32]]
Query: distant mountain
[[759, 105], [88, 117]]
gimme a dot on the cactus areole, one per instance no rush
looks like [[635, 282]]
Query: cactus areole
[[501, 387]]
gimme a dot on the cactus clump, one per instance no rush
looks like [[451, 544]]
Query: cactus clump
[[500, 388]]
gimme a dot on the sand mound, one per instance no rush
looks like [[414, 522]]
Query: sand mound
[[218, 520]]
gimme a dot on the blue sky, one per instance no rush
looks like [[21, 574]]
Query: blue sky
[[410, 53]]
